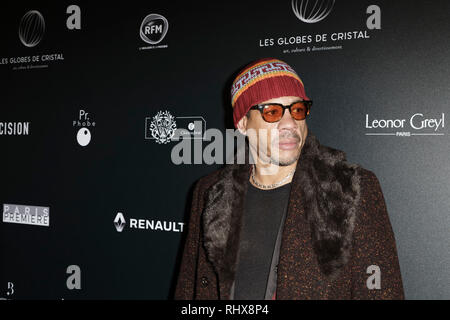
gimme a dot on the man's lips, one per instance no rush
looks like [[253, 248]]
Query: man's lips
[[288, 144]]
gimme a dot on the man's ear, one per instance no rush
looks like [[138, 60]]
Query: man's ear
[[242, 125]]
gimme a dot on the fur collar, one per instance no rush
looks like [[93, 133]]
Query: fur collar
[[330, 190]]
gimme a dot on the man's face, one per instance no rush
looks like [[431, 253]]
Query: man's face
[[279, 142]]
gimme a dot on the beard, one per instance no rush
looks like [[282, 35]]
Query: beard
[[276, 157], [286, 162]]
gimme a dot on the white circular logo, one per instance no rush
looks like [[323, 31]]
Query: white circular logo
[[83, 137], [154, 28], [312, 11]]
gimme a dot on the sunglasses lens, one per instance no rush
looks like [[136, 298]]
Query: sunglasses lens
[[272, 113], [298, 110]]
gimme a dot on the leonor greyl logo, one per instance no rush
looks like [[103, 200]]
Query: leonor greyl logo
[[418, 124]]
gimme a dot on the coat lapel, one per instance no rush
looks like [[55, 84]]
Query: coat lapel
[[222, 222], [329, 189]]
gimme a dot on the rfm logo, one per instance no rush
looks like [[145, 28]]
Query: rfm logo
[[32, 25], [154, 28]]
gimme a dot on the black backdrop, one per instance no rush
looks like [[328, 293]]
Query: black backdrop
[[108, 71]]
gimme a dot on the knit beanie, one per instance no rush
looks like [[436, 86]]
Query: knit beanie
[[262, 80]]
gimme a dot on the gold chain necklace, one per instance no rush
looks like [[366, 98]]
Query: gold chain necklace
[[270, 186]]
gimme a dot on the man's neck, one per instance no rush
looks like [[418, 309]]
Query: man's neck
[[268, 174]]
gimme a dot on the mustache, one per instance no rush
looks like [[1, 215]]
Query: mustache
[[288, 134]]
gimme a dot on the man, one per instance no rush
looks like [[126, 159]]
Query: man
[[299, 223]]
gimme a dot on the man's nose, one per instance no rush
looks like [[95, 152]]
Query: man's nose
[[287, 122]]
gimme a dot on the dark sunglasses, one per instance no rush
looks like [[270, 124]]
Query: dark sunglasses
[[273, 112]]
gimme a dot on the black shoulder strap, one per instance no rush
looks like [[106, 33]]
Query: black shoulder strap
[[272, 279]]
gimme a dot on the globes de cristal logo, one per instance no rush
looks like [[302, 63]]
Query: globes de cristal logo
[[32, 28], [154, 28], [32, 25], [310, 11]]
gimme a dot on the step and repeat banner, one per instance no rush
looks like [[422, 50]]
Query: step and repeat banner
[[110, 112]]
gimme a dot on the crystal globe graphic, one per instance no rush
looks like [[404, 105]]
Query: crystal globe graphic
[[312, 11], [31, 28]]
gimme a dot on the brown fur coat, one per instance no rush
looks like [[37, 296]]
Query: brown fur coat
[[336, 227]]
